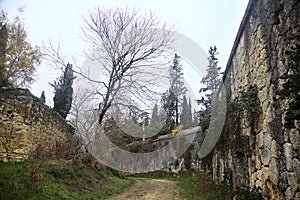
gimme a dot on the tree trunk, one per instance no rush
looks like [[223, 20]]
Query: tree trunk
[[176, 112], [93, 162]]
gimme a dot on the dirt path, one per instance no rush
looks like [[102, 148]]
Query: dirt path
[[152, 189]]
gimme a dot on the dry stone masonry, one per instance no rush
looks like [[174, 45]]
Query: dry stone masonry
[[264, 155], [29, 128]]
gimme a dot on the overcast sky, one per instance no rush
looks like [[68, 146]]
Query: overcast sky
[[206, 22]]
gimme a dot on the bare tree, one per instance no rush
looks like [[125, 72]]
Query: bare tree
[[128, 50], [124, 44], [84, 116]]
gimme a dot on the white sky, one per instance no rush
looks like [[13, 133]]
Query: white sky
[[207, 22]]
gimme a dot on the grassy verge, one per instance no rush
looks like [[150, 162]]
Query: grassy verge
[[57, 179], [202, 188], [199, 189]]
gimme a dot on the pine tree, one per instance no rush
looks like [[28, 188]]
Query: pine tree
[[211, 82], [195, 119], [177, 85], [168, 104], [64, 92], [212, 79], [172, 99]]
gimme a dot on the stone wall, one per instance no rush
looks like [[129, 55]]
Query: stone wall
[[29, 128], [263, 155]]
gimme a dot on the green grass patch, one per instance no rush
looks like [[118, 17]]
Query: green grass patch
[[57, 179], [201, 187]]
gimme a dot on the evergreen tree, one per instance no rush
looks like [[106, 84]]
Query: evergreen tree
[[168, 104], [64, 92], [177, 89], [172, 99], [212, 78], [211, 82], [195, 119], [186, 116], [154, 116], [43, 97]]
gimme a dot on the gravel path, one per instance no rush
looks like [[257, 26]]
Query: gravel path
[[152, 189]]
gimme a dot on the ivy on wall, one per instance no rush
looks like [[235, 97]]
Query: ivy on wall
[[291, 88], [245, 105], [249, 104]]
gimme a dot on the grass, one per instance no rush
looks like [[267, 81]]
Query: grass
[[61, 179], [196, 188], [57, 179], [200, 187]]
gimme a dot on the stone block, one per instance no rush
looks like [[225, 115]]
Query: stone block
[[267, 140], [286, 135], [257, 162], [265, 173], [274, 149], [258, 184], [259, 175], [288, 194], [265, 156], [259, 140], [287, 151], [297, 124], [273, 190], [274, 175], [296, 167], [19, 151], [281, 164], [292, 182], [253, 179], [283, 183], [18, 158], [294, 138]]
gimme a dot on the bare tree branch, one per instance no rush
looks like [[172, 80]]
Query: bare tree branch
[[54, 55], [127, 47], [124, 42]]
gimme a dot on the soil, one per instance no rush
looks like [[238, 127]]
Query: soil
[[150, 189]]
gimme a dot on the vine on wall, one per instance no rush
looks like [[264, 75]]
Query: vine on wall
[[291, 88], [245, 106]]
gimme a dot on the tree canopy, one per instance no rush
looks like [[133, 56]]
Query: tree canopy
[[18, 58], [211, 83], [212, 79]]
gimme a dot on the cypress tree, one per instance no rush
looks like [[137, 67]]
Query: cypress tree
[[64, 92]]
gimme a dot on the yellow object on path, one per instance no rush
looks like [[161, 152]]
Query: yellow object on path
[[176, 129]]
